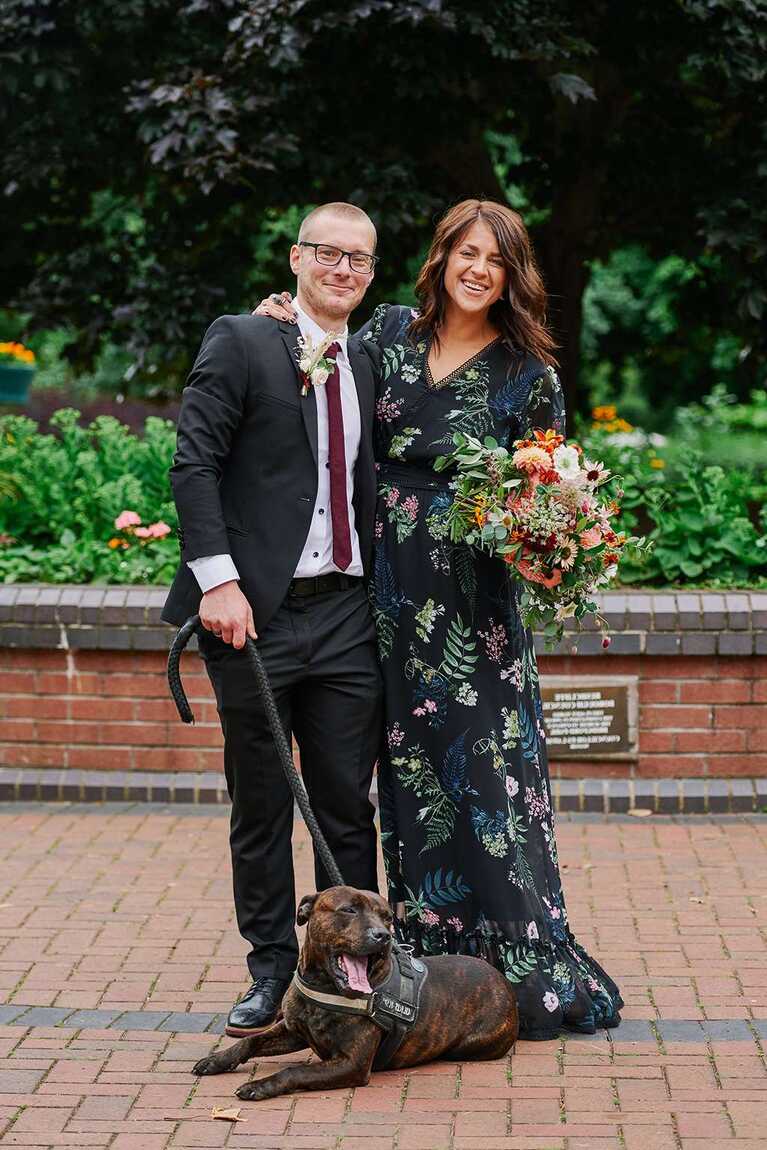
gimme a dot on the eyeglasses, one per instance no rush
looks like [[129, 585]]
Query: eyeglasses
[[327, 254]]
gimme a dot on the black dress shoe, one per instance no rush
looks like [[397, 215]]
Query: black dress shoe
[[258, 1009]]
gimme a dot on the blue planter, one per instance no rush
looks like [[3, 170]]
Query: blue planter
[[14, 382]]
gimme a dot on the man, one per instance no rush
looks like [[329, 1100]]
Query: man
[[274, 484]]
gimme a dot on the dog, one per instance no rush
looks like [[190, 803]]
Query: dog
[[362, 1003]]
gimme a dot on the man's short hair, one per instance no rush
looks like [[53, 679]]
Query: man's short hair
[[345, 211]]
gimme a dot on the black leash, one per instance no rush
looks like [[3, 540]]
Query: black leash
[[280, 741]]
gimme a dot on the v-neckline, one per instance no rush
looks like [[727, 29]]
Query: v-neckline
[[437, 384]]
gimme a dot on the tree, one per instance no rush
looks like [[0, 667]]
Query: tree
[[148, 144]]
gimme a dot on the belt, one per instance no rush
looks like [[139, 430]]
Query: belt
[[320, 584]]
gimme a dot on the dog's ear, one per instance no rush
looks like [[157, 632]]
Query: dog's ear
[[305, 908]]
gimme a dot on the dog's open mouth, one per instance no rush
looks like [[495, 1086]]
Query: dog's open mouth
[[353, 972]]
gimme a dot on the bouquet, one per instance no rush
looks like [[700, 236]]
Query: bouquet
[[538, 508]]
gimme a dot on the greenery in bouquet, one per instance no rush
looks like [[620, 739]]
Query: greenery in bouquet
[[538, 507], [86, 504]]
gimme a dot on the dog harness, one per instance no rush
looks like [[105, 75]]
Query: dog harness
[[393, 1005]]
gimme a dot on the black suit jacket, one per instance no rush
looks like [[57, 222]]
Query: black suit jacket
[[244, 475]]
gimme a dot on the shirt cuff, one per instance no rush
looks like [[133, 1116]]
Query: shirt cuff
[[212, 570]]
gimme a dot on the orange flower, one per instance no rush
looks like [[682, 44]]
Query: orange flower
[[548, 439], [114, 543], [606, 411], [529, 572], [17, 351]]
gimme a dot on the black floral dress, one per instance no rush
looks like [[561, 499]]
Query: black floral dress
[[466, 818]]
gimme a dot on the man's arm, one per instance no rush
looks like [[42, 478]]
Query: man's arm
[[212, 407]]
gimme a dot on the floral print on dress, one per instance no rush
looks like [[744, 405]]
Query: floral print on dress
[[467, 825]]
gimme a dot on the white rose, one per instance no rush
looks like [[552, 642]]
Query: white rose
[[320, 376]]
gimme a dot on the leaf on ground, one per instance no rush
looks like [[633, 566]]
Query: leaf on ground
[[694, 898], [640, 812], [231, 1114]]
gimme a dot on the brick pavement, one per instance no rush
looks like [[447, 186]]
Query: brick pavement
[[116, 923]]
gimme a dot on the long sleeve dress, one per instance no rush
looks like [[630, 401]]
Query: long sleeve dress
[[467, 824]]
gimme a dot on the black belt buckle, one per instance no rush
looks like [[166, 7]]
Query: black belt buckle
[[305, 586], [318, 584]]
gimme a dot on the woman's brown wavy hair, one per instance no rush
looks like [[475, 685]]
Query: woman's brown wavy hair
[[520, 313]]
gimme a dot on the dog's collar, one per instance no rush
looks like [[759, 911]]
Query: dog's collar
[[393, 1005]]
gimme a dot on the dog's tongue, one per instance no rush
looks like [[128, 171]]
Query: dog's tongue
[[356, 970]]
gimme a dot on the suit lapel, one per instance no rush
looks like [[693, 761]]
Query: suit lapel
[[363, 381], [308, 402]]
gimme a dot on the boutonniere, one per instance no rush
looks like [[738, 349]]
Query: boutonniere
[[313, 364]]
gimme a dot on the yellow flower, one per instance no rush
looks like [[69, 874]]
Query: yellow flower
[[17, 351], [657, 463], [606, 411]]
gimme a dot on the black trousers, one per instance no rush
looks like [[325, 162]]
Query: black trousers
[[319, 653]]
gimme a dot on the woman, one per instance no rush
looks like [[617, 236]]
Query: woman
[[465, 801]]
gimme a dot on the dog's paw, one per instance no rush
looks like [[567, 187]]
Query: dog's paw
[[251, 1091], [209, 1065]]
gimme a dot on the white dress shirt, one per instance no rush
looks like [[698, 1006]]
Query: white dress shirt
[[317, 556]]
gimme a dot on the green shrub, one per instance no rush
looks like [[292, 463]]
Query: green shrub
[[63, 493], [60, 495], [705, 517]]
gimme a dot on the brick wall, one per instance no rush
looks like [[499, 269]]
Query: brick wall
[[699, 715], [83, 687]]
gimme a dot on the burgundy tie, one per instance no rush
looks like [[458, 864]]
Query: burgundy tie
[[339, 508]]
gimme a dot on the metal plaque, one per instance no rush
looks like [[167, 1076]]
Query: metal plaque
[[590, 717]]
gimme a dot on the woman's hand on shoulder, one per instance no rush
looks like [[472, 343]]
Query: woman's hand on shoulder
[[278, 305]]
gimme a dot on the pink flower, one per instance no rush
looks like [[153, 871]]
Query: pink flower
[[392, 496], [455, 922], [592, 537], [127, 519], [411, 506], [532, 931], [418, 711], [395, 735], [430, 918], [430, 705], [153, 531]]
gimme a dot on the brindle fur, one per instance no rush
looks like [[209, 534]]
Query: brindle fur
[[468, 1009]]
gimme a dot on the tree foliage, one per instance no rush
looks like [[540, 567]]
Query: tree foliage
[[150, 146]]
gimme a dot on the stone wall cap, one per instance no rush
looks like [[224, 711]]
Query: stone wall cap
[[642, 621]]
